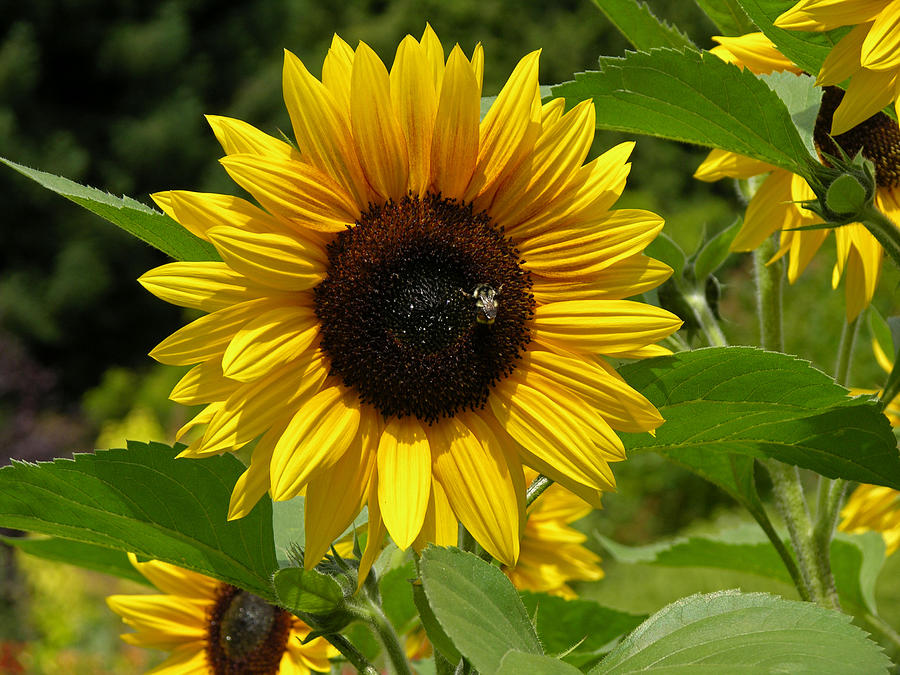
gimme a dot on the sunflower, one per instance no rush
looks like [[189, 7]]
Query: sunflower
[[422, 303], [869, 54], [213, 627], [552, 552], [774, 206]]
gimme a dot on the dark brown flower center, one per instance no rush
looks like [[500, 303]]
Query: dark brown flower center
[[424, 307], [878, 138], [245, 634]]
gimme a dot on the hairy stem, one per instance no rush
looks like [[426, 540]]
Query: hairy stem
[[696, 300], [352, 654]]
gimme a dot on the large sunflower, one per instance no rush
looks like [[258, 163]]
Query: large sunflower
[[869, 54], [552, 551], [774, 206], [211, 627], [421, 304]]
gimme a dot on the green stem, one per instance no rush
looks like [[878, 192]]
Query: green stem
[[536, 489], [352, 654], [388, 637], [845, 352], [696, 300], [884, 230], [769, 282]]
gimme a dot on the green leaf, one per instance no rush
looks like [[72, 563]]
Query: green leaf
[[737, 632], [433, 628], [855, 559], [728, 16], [715, 251], [88, 556], [477, 606], [145, 501], [397, 596], [516, 663], [807, 49], [695, 98], [802, 98], [307, 591], [640, 26], [587, 626], [745, 401], [147, 224]]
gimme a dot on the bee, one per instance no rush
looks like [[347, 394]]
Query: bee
[[486, 303]]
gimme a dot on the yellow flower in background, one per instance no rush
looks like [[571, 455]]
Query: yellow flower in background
[[553, 552], [419, 306], [774, 207], [211, 627], [869, 54], [874, 507]]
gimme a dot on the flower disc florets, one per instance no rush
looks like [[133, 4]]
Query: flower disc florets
[[245, 633], [399, 322]]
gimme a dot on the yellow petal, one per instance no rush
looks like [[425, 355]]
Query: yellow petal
[[629, 277], [434, 55], [203, 417], [415, 100], [620, 405], [602, 326], [376, 130], [558, 154], [200, 211], [843, 59], [293, 263], [828, 14], [440, 526], [327, 517], [322, 130], [237, 136], [454, 149], [754, 51], [208, 286], [869, 91], [203, 384], [574, 253], [336, 74], [552, 425], [770, 209], [165, 620], [254, 407], [881, 49], [509, 129], [207, 337], [269, 340], [404, 478], [721, 164], [254, 482], [294, 190], [376, 533], [315, 439], [176, 580], [472, 469], [188, 659]]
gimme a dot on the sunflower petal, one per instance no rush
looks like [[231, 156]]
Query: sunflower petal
[[602, 326], [327, 517], [472, 469], [315, 439], [200, 211], [721, 164], [632, 276], [203, 384], [404, 478], [175, 580], [207, 286], [415, 100], [843, 60], [869, 91], [254, 482], [881, 48], [236, 136]]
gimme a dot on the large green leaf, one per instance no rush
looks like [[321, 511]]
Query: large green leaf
[[855, 559], [145, 501], [88, 556], [728, 16], [692, 97], [640, 26], [737, 632], [138, 219], [307, 591], [745, 401], [802, 99], [581, 629], [517, 663], [477, 606]]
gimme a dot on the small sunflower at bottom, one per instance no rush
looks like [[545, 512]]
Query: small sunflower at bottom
[[214, 628], [774, 206]]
